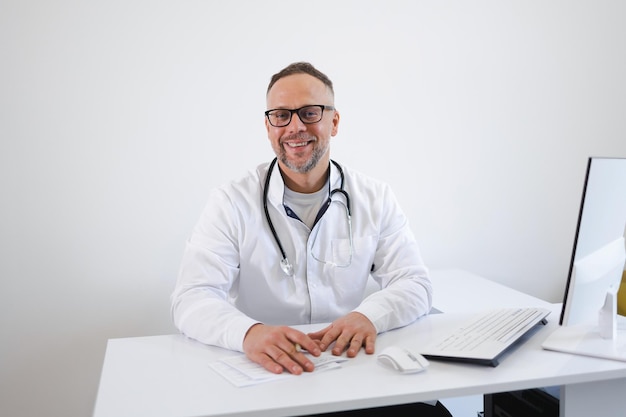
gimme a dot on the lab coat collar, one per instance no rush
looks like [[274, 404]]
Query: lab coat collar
[[277, 185]]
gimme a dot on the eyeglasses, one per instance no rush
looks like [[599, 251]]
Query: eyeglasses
[[307, 114]]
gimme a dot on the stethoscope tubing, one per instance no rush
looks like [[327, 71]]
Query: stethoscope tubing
[[267, 213], [284, 263]]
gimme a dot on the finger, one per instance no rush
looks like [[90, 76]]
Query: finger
[[304, 342], [370, 344], [285, 359], [318, 335], [318, 342], [268, 363], [358, 341], [294, 351], [341, 344], [330, 336], [354, 347], [304, 362]]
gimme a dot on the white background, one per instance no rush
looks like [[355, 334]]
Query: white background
[[117, 117]]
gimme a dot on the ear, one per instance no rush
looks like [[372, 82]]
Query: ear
[[335, 122]]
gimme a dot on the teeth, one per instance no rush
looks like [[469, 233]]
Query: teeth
[[297, 145]]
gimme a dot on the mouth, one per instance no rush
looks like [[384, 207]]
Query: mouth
[[297, 144]]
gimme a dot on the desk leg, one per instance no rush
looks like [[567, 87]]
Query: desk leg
[[603, 398]]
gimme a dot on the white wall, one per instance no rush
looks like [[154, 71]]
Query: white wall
[[117, 117]]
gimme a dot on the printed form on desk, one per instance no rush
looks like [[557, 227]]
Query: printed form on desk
[[242, 372]]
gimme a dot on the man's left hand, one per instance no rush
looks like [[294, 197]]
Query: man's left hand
[[350, 332]]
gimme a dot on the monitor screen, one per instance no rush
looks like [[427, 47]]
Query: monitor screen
[[598, 255]]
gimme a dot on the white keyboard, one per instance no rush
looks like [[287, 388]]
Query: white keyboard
[[497, 326], [487, 335]]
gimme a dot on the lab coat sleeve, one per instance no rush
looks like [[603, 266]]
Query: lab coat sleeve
[[208, 272], [406, 290]]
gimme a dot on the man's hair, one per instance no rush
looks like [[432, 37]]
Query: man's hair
[[301, 68]]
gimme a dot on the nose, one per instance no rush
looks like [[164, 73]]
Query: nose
[[295, 124]]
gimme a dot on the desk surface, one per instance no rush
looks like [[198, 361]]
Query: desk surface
[[170, 375]]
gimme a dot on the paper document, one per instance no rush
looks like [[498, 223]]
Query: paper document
[[242, 372]]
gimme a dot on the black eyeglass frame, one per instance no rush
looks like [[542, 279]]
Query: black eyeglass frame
[[297, 111]]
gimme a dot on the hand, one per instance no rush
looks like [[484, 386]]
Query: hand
[[275, 348], [350, 332]]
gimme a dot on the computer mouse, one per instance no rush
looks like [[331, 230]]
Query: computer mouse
[[403, 360]]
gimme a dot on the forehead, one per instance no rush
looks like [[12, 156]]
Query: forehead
[[298, 90]]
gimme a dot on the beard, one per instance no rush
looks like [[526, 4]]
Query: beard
[[319, 150]]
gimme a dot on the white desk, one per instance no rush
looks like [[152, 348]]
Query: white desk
[[169, 375]]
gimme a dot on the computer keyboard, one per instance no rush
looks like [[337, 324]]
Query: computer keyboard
[[486, 335], [497, 326]]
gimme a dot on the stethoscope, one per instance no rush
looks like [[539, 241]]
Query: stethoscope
[[285, 265]]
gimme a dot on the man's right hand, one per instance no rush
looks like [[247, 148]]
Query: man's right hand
[[277, 348]]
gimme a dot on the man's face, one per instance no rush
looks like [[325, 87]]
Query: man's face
[[299, 146]]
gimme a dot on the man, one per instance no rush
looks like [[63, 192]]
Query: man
[[295, 242]]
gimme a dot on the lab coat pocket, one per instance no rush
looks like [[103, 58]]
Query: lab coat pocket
[[352, 266], [355, 255], [342, 252]]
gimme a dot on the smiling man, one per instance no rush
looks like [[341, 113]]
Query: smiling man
[[296, 242], [302, 144]]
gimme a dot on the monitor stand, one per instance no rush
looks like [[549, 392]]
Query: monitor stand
[[607, 317], [606, 339]]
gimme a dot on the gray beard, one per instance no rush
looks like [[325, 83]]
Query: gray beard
[[306, 166]]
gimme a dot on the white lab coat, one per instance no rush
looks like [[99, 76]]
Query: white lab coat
[[230, 277]]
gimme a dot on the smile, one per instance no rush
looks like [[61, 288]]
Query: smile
[[296, 144]]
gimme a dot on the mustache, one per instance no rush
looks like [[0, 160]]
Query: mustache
[[298, 136]]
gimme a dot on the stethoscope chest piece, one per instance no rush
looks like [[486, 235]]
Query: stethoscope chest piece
[[286, 266]]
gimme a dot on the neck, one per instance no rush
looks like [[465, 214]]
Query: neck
[[308, 182]]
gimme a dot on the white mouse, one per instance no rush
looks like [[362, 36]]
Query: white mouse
[[403, 360]]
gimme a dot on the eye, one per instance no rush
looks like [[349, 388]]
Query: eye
[[280, 114], [310, 113]]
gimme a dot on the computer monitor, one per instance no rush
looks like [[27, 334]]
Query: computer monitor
[[598, 256]]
